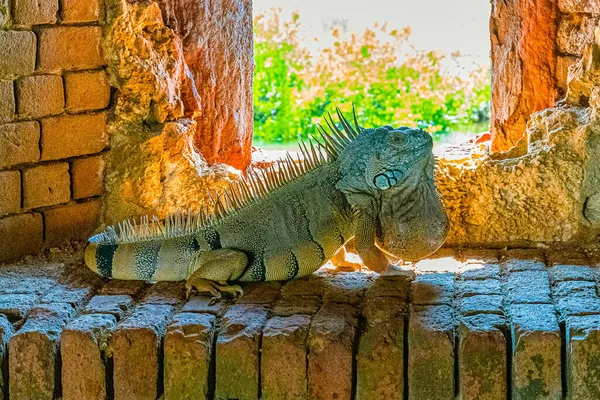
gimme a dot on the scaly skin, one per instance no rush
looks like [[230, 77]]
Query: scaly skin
[[377, 188]]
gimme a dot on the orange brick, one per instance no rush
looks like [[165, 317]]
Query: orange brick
[[87, 177], [46, 185], [35, 12], [17, 53], [19, 143], [40, 95], [74, 221], [82, 10], [20, 234], [87, 91], [73, 135], [10, 195], [70, 48], [7, 101]]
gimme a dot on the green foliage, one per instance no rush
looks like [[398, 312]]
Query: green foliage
[[389, 84]]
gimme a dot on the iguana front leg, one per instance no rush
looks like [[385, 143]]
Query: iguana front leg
[[213, 269], [364, 208]]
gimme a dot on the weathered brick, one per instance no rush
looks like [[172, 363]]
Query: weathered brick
[[73, 135], [567, 257], [116, 305], [77, 11], [431, 353], [187, 356], [7, 101], [70, 48], [283, 361], [481, 304], [40, 96], [136, 358], [19, 143], [347, 288], [202, 304], [118, 286], [87, 90], [87, 175], [83, 348], [76, 297], [517, 265], [380, 357], [46, 185], [389, 286], [260, 293], [6, 331], [237, 369], [482, 287], [482, 357], [20, 234], [312, 285], [430, 289], [23, 284], [530, 286], [523, 254], [331, 341], [71, 222], [479, 271], [165, 293], [583, 357], [16, 306], [574, 289], [17, 53], [33, 353], [579, 6], [536, 362], [572, 273], [10, 196], [304, 305], [34, 12], [569, 306]]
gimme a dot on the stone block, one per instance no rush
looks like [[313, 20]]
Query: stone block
[[10, 196], [17, 306], [569, 306], [71, 222], [70, 48], [34, 12], [536, 358], [116, 305], [73, 135], [17, 53], [559, 273], [6, 331], [7, 101], [380, 356], [79, 11], [389, 286], [83, 347], [583, 357], [331, 340], [165, 293], [87, 175], [481, 304], [528, 287], [22, 284], [482, 358], [76, 297], [530, 255], [201, 304], [431, 353], [20, 234], [574, 289], [284, 344], [89, 90], [136, 352], [312, 285], [431, 289], [46, 185], [260, 293], [19, 143], [33, 352], [347, 288], [579, 6], [40, 96], [289, 306], [517, 265], [479, 271], [238, 348], [188, 352], [478, 256], [118, 286], [482, 287]]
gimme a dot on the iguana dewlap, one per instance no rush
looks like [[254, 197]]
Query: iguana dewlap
[[375, 185]]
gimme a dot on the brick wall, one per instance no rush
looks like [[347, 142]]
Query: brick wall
[[54, 93]]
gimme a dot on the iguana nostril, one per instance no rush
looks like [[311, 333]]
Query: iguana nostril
[[381, 182]]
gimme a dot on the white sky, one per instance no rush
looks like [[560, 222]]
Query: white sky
[[436, 24]]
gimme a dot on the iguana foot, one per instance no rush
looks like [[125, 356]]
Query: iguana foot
[[215, 289]]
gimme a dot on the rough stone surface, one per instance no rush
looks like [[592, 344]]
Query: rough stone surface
[[289, 306], [19, 143], [380, 356], [20, 234], [6, 331], [136, 352], [71, 222], [115, 305], [70, 48], [77, 11], [536, 357], [430, 289], [46, 185], [579, 6], [17, 306], [73, 135], [583, 353], [17, 53], [165, 293], [481, 304], [260, 293], [201, 304], [347, 288], [83, 347], [283, 358], [482, 357], [40, 95], [188, 351], [7, 101], [74, 296], [431, 353], [221, 73], [87, 91], [34, 12], [528, 287], [87, 175], [575, 32], [10, 196]]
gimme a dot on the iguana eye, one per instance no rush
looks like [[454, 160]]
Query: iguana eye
[[399, 139]]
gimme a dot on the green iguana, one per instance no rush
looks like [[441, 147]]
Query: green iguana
[[374, 185]]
